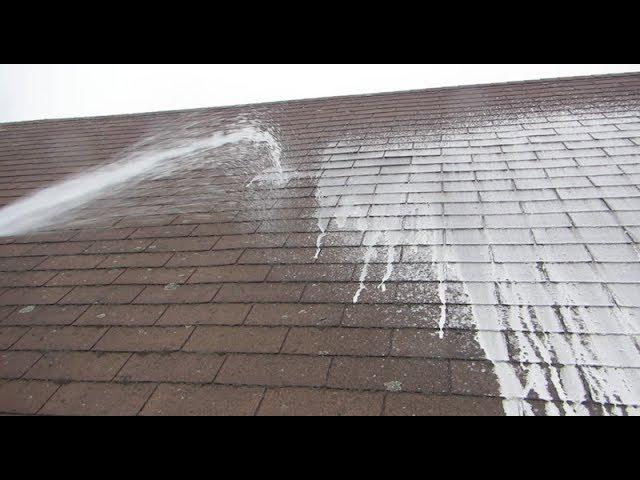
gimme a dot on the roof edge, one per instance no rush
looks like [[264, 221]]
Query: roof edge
[[309, 99]]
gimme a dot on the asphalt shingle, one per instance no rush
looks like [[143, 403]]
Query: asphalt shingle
[[470, 250]]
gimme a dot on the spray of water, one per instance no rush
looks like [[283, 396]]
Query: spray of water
[[160, 156]]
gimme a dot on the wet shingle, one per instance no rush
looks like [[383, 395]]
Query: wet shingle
[[471, 250]]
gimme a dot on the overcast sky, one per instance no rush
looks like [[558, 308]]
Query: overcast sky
[[29, 92]]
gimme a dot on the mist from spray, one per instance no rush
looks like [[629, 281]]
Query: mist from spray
[[159, 156]]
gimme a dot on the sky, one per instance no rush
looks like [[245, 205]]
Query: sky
[[30, 92]]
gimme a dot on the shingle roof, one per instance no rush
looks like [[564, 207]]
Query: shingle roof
[[469, 250]]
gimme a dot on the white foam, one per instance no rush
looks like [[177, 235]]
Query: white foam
[[389, 268], [368, 256], [569, 343]]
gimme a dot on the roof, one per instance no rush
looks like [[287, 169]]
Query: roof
[[468, 250]]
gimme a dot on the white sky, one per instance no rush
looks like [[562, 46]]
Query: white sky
[[30, 92]]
